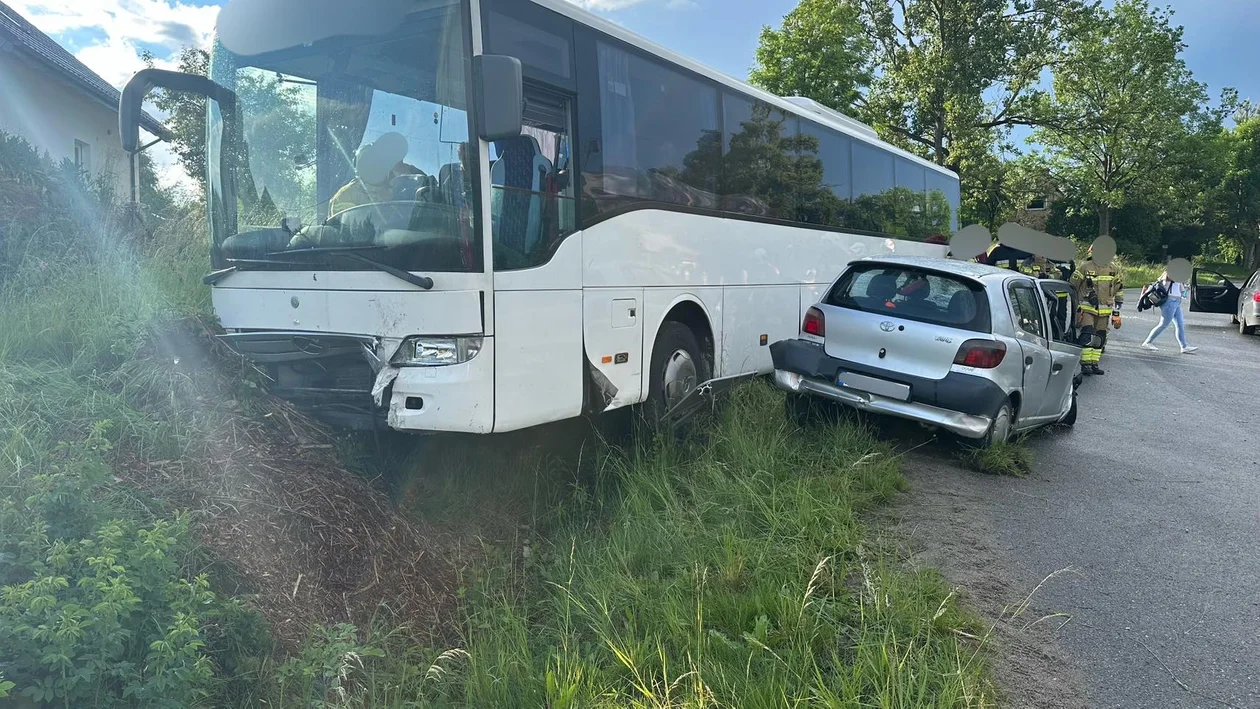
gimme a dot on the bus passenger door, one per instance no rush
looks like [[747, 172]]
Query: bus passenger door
[[538, 310]]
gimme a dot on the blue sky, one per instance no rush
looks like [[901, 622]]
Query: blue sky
[[108, 35], [1221, 34]]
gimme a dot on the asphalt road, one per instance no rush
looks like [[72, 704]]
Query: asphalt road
[[1154, 498]]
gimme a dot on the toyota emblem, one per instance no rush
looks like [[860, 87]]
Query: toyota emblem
[[888, 326]]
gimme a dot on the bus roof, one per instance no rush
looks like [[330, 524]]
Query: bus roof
[[840, 124]]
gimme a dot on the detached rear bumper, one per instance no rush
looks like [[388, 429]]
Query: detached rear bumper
[[959, 403]]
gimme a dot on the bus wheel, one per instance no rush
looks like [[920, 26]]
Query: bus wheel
[[678, 366]]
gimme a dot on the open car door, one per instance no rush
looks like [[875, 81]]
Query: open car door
[[1061, 300], [1211, 292], [1065, 344]]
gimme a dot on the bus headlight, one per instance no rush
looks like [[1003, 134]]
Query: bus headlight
[[436, 351]]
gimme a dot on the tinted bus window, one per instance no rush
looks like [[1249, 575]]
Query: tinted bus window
[[873, 206], [660, 136], [942, 204], [832, 151], [534, 46], [762, 173], [909, 203]]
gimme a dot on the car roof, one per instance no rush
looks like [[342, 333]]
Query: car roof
[[976, 271]]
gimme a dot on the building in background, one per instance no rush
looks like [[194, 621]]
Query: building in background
[[1036, 213], [58, 104]]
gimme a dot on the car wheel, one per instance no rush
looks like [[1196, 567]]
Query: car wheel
[[678, 366], [1244, 328], [1069, 419], [1000, 430]]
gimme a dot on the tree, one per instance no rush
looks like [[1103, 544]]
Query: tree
[[187, 115], [1124, 105], [951, 76], [820, 52], [996, 187], [278, 121], [1236, 200]]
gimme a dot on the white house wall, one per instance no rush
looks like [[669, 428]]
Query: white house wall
[[52, 114]]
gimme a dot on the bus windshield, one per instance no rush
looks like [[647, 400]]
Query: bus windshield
[[347, 151]]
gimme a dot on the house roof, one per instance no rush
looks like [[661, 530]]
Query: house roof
[[47, 51]]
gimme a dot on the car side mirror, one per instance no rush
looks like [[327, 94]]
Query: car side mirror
[[500, 96]]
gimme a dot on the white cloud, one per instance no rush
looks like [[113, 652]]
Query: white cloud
[[127, 25]]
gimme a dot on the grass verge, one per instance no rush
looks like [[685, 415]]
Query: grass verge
[[724, 572], [151, 505]]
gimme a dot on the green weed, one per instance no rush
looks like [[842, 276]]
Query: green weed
[[729, 571], [1013, 458]]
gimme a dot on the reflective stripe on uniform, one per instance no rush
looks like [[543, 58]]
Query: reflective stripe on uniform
[[1089, 355]]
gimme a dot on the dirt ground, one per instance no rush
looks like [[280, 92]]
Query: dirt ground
[[941, 524]]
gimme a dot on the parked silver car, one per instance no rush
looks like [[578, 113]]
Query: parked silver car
[[979, 351], [1210, 292]]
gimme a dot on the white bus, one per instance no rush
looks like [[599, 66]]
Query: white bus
[[483, 215]]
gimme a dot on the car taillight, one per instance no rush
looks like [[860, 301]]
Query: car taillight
[[981, 354], [814, 323], [1256, 297]]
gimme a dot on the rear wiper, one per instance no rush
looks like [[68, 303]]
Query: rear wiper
[[352, 253]]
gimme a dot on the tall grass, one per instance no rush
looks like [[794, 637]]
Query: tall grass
[[1137, 274], [84, 294], [732, 571]]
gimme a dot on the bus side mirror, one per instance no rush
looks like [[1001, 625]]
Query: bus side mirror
[[131, 105], [500, 95]]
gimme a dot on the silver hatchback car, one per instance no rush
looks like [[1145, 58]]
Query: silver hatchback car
[[980, 351]]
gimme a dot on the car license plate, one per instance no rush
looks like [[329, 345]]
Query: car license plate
[[873, 385]]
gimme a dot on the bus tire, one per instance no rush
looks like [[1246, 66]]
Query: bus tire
[[677, 367]]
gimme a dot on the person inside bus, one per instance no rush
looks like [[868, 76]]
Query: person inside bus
[[376, 166]]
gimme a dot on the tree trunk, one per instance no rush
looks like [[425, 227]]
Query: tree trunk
[[1252, 254], [1104, 220]]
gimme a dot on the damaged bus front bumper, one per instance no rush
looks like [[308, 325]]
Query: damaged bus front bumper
[[348, 381]]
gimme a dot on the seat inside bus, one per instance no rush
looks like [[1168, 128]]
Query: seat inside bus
[[522, 173]]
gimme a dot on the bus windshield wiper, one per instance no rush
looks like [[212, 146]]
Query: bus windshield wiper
[[352, 253], [237, 265]]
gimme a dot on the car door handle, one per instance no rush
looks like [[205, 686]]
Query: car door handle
[[1056, 368], [1028, 361]]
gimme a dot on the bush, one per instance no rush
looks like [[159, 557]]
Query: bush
[[103, 596], [94, 610]]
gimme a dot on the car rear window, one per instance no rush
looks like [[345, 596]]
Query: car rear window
[[913, 294]]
